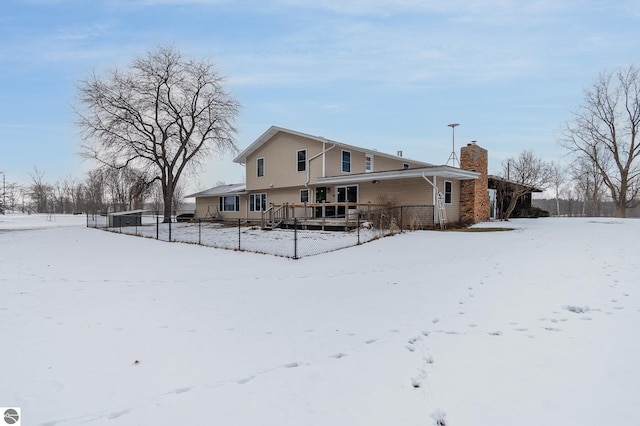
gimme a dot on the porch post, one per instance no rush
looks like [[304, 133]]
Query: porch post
[[434, 187], [436, 214]]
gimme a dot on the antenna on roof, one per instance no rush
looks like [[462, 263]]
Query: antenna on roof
[[453, 158]]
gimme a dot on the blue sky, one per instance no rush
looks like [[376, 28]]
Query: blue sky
[[387, 74]]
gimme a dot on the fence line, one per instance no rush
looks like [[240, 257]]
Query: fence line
[[294, 240]]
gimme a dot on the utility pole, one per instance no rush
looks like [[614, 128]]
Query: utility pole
[[4, 193]]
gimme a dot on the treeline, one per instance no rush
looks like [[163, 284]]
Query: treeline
[[100, 191], [581, 208]]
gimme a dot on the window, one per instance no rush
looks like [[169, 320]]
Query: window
[[405, 166], [304, 195], [447, 192], [347, 194], [302, 160], [257, 202], [230, 203], [260, 167], [368, 163], [346, 161]]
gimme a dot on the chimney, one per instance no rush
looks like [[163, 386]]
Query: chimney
[[474, 193], [399, 154]]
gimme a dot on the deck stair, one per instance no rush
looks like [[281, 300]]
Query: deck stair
[[273, 217]]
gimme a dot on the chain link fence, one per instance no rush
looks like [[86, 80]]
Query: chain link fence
[[295, 239]]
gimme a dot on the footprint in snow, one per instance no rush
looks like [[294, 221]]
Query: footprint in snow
[[495, 333], [339, 355], [245, 380], [116, 414], [370, 341], [292, 365], [418, 379]]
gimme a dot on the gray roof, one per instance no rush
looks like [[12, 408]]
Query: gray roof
[[273, 130], [233, 188], [128, 212]]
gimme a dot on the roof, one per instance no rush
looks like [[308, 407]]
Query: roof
[[128, 212], [440, 171], [273, 130], [512, 183], [233, 188]]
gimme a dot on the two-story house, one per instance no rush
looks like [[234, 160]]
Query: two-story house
[[320, 177]]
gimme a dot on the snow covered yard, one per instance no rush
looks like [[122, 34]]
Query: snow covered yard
[[240, 236], [537, 326]]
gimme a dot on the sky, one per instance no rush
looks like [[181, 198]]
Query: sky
[[387, 75]]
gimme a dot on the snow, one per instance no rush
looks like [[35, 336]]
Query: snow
[[533, 326], [278, 242]]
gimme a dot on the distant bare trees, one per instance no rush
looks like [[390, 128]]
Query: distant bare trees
[[557, 178], [602, 137], [522, 174], [40, 192]]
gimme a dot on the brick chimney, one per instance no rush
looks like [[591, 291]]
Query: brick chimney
[[474, 194]]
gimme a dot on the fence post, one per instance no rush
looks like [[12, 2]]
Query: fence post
[[239, 233], [295, 238], [401, 217], [200, 231], [358, 223], [157, 227], [169, 229]]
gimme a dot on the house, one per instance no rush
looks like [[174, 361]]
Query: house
[[501, 191], [314, 177]]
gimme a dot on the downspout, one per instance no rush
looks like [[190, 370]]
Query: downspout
[[306, 184], [435, 194]]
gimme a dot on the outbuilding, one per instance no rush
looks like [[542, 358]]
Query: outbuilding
[[126, 218]]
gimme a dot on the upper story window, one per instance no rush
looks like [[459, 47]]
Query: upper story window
[[346, 161], [368, 163], [302, 160], [447, 191], [405, 166], [260, 167]]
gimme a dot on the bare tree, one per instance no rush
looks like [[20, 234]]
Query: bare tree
[[94, 192], [163, 116], [557, 178], [604, 131], [178, 199], [589, 184], [40, 192], [522, 175]]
